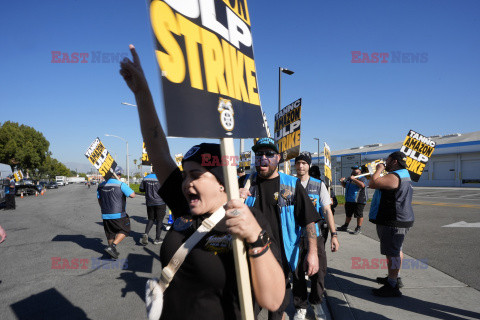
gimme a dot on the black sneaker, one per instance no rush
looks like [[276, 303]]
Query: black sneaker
[[114, 246], [358, 230], [112, 252], [387, 291], [343, 228], [384, 280]]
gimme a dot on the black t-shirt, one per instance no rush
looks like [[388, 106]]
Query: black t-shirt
[[266, 202], [205, 285]]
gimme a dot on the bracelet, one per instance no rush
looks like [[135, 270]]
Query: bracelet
[[257, 252]]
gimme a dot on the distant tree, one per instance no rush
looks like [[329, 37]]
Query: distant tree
[[22, 146]]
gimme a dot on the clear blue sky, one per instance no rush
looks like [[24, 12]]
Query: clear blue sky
[[345, 104]]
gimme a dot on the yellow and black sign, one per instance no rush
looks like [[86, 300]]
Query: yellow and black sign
[[287, 130], [205, 53], [101, 159], [245, 160], [18, 175], [145, 159], [328, 164], [178, 160], [418, 149]]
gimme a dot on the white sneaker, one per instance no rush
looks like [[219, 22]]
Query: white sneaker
[[318, 310], [300, 314]]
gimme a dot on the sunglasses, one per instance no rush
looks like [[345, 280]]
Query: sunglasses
[[268, 154]]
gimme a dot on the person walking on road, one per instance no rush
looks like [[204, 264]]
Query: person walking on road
[[156, 207], [112, 197], [391, 210], [318, 193], [10, 194], [355, 199], [285, 204]]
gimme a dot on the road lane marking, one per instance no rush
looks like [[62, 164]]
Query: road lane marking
[[463, 224], [444, 204]]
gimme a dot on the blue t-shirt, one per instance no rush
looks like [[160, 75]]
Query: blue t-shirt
[[354, 193]]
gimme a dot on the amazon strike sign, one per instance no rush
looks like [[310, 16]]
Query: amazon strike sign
[[145, 159], [418, 150], [328, 165], [204, 50], [245, 160], [101, 159], [287, 130]]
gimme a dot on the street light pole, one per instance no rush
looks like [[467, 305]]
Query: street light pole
[[128, 167], [289, 72], [318, 151]]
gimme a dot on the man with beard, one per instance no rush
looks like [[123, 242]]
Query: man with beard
[[392, 212], [286, 205]]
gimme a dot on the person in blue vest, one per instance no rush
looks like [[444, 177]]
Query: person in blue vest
[[286, 205], [156, 207], [112, 198], [10, 194], [355, 199], [391, 210], [318, 193]]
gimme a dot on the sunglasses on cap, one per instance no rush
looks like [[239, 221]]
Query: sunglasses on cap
[[268, 154]]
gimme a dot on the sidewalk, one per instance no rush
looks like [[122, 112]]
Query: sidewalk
[[427, 293]]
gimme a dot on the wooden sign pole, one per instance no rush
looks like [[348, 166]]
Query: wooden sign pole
[[239, 252]]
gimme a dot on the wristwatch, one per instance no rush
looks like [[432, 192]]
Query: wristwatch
[[334, 234], [262, 240]]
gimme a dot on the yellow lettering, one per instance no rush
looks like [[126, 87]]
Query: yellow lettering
[[164, 24], [251, 81], [214, 66], [239, 82], [228, 68], [191, 31]]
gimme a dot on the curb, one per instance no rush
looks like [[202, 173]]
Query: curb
[[336, 301]]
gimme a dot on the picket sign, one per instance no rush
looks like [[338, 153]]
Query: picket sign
[[239, 251]]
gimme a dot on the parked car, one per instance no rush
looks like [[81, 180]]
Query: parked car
[[52, 185]]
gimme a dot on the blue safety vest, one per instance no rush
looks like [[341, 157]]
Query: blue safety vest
[[291, 231], [314, 187]]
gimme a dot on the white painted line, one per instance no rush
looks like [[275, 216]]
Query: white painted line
[[463, 224]]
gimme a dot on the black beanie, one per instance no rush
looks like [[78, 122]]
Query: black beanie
[[305, 156], [209, 156]]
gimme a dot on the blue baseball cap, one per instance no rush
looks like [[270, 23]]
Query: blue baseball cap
[[265, 143], [356, 167], [118, 170]]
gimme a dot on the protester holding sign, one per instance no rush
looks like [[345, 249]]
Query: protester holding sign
[[204, 287], [318, 193], [392, 212], [286, 205], [112, 198], [355, 199]]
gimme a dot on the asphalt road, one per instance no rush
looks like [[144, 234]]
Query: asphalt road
[[39, 278], [453, 250], [45, 235]]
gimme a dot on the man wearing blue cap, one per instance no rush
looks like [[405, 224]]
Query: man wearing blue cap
[[284, 202], [112, 198], [355, 199]]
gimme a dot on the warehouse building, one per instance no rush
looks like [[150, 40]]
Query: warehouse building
[[454, 163]]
